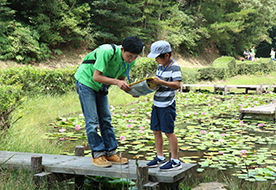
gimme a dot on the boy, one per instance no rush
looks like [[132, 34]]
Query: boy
[[107, 65], [163, 109], [272, 54]]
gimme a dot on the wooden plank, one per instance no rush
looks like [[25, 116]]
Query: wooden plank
[[222, 87], [82, 166], [264, 109], [230, 86], [198, 85]]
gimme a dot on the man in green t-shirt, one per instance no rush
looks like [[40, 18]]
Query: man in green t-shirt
[[106, 65]]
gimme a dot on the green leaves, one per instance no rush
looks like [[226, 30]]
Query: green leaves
[[11, 96]]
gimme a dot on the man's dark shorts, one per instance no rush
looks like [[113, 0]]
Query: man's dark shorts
[[163, 118]]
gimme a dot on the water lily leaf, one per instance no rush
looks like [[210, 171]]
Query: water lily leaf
[[200, 170]]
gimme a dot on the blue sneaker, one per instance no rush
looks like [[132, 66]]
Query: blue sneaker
[[156, 162], [171, 165]]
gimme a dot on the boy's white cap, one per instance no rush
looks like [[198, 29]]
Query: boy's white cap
[[158, 48]]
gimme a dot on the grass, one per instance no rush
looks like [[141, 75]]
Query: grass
[[37, 112], [257, 79], [40, 110]]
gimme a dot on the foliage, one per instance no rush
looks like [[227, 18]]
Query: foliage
[[227, 67], [34, 80], [192, 27], [17, 41], [189, 75], [113, 20], [251, 68], [28, 32], [144, 67], [10, 98]]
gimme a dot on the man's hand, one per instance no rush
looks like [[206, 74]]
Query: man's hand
[[123, 85]]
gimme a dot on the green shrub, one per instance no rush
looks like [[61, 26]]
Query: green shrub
[[207, 74], [144, 67], [189, 75], [226, 67], [34, 80], [10, 98], [253, 67]]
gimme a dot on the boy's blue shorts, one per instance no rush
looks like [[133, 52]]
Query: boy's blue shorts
[[163, 118]]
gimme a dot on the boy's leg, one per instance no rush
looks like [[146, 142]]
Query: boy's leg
[[159, 160], [173, 145], [158, 138]]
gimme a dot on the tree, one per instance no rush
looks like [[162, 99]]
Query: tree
[[113, 20], [55, 21]]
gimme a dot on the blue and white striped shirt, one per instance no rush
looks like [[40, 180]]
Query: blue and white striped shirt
[[164, 96]]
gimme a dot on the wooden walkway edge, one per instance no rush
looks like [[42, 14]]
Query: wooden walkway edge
[[268, 110], [79, 165], [225, 88]]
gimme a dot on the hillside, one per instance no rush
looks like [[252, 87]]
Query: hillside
[[70, 58]]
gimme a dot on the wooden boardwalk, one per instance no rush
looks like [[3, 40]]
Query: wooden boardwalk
[[225, 88], [78, 165], [263, 110]]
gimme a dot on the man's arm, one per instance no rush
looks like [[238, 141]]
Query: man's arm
[[98, 77], [121, 77]]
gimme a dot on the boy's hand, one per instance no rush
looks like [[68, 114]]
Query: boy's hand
[[156, 80]]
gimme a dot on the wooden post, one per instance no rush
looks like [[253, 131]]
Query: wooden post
[[151, 186], [261, 88], [36, 164], [79, 150], [274, 119], [79, 180], [257, 91], [215, 89], [240, 114], [181, 87], [36, 167], [225, 90], [142, 173]]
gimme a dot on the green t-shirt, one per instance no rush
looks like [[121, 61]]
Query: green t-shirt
[[112, 69]]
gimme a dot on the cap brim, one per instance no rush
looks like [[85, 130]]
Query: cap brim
[[153, 55]]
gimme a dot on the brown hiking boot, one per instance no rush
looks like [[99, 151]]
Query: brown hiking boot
[[101, 162], [115, 159]]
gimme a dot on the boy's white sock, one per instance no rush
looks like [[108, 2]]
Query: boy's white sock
[[161, 157], [175, 160]]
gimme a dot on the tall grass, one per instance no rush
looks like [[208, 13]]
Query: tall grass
[[37, 112]]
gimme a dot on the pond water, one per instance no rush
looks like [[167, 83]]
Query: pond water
[[208, 129]]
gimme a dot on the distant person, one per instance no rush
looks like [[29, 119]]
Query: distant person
[[253, 53], [109, 64], [272, 54], [163, 109], [246, 54]]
